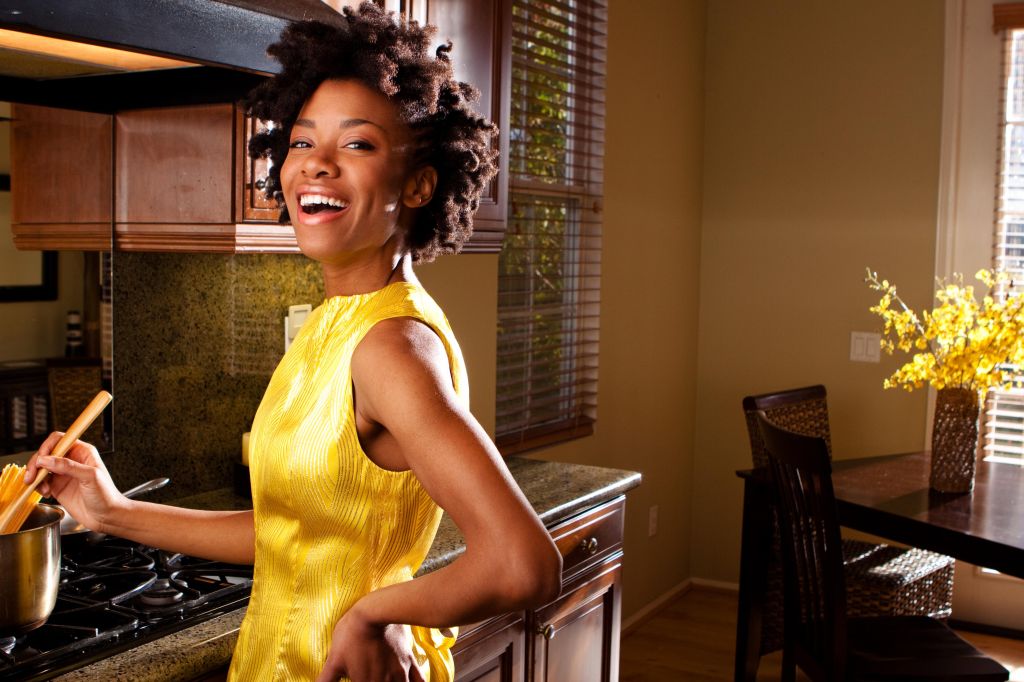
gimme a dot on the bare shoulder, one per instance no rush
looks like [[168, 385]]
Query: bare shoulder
[[401, 364], [402, 341]]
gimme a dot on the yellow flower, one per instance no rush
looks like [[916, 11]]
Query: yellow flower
[[959, 343]]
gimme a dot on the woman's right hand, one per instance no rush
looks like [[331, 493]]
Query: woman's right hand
[[79, 480]]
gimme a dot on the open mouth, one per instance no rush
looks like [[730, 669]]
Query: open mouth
[[313, 204]]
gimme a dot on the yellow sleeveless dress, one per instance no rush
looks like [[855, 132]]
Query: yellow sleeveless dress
[[332, 526]]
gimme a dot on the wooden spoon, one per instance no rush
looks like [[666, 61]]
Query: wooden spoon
[[9, 519]]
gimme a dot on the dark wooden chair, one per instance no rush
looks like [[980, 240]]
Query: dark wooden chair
[[820, 638], [881, 580]]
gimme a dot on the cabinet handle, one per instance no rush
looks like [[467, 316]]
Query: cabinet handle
[[261, 183], [546, 631], [589, 546]]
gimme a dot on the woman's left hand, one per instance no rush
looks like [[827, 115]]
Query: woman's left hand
[[364, 652]]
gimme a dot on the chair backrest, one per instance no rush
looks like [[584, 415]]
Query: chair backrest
[[801, 410], [815, 601], [24, 406]]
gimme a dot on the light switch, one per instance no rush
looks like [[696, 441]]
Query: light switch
[[865, 347]]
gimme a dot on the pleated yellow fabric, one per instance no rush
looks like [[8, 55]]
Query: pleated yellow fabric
[[331, 526]]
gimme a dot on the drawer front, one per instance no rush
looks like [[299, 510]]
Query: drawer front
[[589, 538]]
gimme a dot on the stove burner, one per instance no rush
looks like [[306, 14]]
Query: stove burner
[[114, 595], [113, 586], [161, 593]]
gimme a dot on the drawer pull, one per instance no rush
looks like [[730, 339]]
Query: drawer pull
[[546, 631], [261, 184], [589, 546]]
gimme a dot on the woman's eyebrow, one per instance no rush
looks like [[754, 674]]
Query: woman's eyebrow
[[345, 124], [354, 122]]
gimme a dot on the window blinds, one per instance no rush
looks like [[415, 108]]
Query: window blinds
[[550, 263], [1004, 413]]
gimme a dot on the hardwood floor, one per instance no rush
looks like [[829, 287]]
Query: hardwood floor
[[692, 638]]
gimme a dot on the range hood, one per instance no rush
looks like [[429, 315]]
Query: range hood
[[152, 52]]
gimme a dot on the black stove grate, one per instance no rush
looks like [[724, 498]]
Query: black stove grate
[[115, 595]]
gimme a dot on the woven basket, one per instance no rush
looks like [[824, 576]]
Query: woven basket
[[954, 440]]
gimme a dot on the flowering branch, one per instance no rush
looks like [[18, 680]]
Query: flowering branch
[[959, 343]]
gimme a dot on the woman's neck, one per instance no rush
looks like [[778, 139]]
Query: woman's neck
[[367, 276]]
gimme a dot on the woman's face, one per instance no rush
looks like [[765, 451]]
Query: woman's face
[[345, 179]]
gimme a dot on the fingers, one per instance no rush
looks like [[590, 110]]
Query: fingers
[[45, 449], [330, 672], [371, 671], [80, 451], [67, 467]]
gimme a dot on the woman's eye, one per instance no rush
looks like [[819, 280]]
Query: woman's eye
[[299, 144], [361, 145]]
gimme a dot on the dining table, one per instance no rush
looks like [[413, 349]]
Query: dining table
[[888, 496]]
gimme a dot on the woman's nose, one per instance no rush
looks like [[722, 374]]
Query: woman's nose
[[318, 164]]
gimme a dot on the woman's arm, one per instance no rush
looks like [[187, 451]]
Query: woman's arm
[[403, 382], [81, 483]]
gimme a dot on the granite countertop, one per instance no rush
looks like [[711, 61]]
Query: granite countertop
[[556, 490]]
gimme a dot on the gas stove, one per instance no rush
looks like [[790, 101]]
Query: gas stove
[[114, 595]]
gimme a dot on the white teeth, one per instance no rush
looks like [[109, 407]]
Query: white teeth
[[312, 199]]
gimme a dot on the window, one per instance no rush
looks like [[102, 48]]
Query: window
[[1004, 417], [550, 263]]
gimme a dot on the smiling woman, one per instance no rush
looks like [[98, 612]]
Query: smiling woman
[[364, 434]]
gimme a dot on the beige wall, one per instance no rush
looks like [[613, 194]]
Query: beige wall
[[466, 288], [36, 329], [821, 158]]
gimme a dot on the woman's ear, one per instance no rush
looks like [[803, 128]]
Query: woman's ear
[[419, 188]]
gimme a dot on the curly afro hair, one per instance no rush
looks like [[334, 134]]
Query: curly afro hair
[[392, 57]]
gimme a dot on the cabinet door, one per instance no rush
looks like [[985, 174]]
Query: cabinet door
[[174, 173], [61, 175], [576, 638], [494, 652], [480, 31], [185, 185], [252, 204]]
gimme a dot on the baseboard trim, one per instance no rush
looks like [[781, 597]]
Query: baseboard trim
[[717, 585], [653, 607]]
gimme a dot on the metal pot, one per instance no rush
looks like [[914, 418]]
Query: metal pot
[[30, 571]]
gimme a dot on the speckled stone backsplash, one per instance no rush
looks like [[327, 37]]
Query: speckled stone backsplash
[[196, 338]]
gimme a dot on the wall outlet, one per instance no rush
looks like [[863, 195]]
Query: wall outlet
[[865, 347], [652, 521]]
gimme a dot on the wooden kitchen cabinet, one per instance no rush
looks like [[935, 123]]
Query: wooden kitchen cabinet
[[494, 651], [576, 637], [61, 177], [181, 185]]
